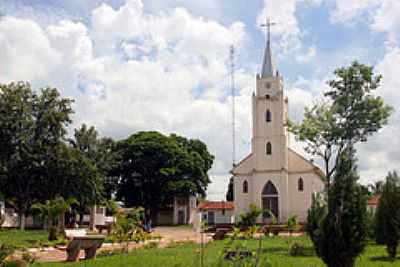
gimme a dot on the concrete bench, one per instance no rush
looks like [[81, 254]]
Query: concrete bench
[[79, 240], [71, 233]]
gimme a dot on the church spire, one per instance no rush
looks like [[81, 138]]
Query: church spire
[[267, 66]]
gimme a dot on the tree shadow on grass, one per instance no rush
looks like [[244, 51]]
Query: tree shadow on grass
[[275, 250], [383, 258], [305, 251]]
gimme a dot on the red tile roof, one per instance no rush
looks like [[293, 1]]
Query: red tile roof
[[374, 200], [216, 205]]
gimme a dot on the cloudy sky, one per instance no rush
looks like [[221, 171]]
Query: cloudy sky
[[164, 64]]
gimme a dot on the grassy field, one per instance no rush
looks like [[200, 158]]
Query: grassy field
[[275, 252], [23, 239]]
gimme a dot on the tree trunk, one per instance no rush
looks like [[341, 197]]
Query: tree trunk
[[92, 221], [61, 222], [392, 250], [22, 220], [80, 219]]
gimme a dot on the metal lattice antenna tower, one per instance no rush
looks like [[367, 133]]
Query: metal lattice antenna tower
[[232, 65]]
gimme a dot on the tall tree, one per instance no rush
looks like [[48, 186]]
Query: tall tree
[[387, 216], [315, 217], [100, 155], [230, 194], [102, 152], [344, 229], [156, 167], [351, 114], [32, 126]]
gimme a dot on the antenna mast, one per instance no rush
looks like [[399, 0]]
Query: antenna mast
[[232, 65]]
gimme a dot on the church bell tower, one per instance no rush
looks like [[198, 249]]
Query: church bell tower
[[270, 137]]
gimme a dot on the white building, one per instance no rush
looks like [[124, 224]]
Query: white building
[[181, 211], [273, 176], [216, 212]]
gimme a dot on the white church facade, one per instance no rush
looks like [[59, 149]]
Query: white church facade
[[273, 176]]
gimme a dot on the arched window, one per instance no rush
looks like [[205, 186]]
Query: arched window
[[269, 189], [268, 116], [300, 185], [245, 187], [269, 148]]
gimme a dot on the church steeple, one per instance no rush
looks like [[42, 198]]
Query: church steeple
[[267, 66]]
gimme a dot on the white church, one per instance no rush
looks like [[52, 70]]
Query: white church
[[273, 176]]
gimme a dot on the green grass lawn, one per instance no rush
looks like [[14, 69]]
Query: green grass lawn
[[23, 239], [274, 251]]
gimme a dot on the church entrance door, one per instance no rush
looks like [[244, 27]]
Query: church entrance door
[[271, 204], [269, 199]]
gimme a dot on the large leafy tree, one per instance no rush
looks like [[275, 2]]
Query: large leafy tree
[[344, 229], [156, 167], [387, 217], [32, 127], [350, 114], [74, 170]]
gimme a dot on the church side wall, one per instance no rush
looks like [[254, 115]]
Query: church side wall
[[300, 201], [242, 200]]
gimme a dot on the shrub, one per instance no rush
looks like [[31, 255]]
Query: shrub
[[251, 231], [128, 228], [5, 251], [292, 223], [29, 258], [249, 218]]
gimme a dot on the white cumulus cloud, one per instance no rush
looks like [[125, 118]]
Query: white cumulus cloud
[[131, 70]]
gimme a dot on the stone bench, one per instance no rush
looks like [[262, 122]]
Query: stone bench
[[79, 240]]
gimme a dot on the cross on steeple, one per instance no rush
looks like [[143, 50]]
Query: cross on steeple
[[267, 66], [268, 26]]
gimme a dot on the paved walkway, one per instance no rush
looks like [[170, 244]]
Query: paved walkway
[[168, 236]]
